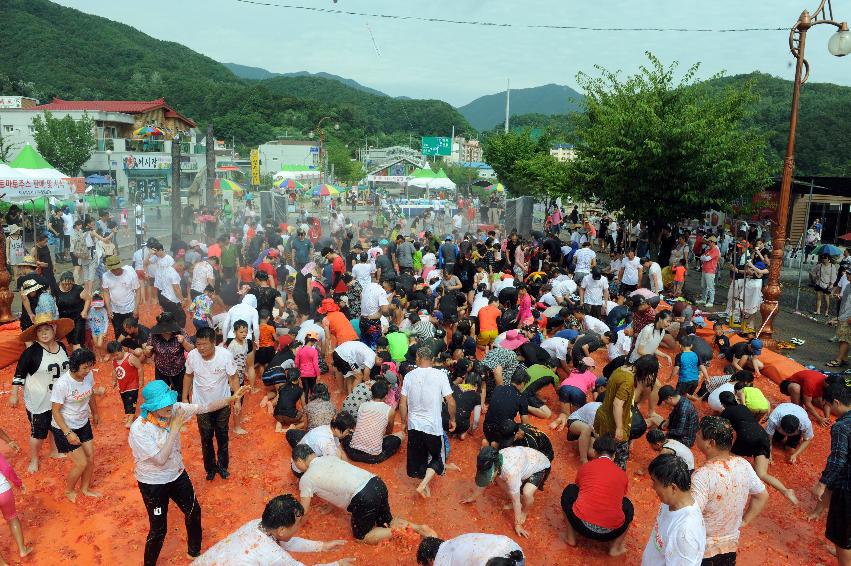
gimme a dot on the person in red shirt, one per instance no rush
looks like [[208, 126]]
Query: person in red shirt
[[268, 264], [596, 505], [708, 269], [338, 270], [806, 388], [127, 371]]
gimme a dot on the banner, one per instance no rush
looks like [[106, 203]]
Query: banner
[[255, 168]]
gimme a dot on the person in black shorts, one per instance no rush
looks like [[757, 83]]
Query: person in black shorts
[[468, 403], [286, 410], [514, 434], [506, 403]]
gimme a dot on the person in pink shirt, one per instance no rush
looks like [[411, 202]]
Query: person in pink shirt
[[307, 362], [573, 391], [9, 478], [524, 305], [708, 268]]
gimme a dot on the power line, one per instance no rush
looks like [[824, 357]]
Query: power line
[[497, 24]]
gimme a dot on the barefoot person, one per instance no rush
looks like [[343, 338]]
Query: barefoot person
[[74, 413], [39, 367], [348, 487], [423, 392], [520, 469], [596, 505], [269, 540], [8, 478], [155, 442]]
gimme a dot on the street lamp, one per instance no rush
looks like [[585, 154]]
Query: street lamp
[[839, 45], [113, 191]]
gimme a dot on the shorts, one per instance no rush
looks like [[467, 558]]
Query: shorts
[[39, 424], [340, 364], [264, 355], [752, 443], [687, 387], [843, 332], [370, 508], [538, 479], [533, 400], [7, 505], [129, 400], [84, 433], [140, 273], [838, 529], [568, 499], [726, 559], [572, 395], [486, 337]]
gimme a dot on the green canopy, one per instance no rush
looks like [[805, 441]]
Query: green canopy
[[441, 174], [29, 158], [423, 174]]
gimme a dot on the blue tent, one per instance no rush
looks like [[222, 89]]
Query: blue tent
[[98, 180]]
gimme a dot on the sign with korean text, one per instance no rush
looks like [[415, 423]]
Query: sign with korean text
[[436, 146], [255, 168], [10, 101], [23, 188], [147, 162]]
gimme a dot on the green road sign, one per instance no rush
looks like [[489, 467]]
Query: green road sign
[[437, 146]]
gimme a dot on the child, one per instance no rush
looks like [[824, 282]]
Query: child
[[202, 308], [265, 344], [286, 403], [688, 369], [417, 258], [721, 341], [679, 277], [98, 324], [8, 478], [128, 376], [242, 350], [307, 362]]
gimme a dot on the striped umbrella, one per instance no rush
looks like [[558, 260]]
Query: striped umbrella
[[148, 131], [226, 185], [324, 190], [288, 184]]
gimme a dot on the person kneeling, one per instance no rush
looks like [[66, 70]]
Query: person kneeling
[[368, 443], [269, 540], [596, 505], [348, 487]]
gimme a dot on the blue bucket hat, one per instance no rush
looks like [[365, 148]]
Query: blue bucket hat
[[756, 344], [158, 395]]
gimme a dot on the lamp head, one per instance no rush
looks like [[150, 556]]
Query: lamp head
[[840, 42], [336, 126]]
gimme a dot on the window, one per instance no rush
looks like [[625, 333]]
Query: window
[[8, 129], [32, 129]]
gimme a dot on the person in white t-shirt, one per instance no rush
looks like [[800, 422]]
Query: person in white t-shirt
[[74, 407], [521, 470], [363, 270], [584, 259], [122, 293], [470, 549], [580, 425], [423, 393], [630, 273], [202, 275], [679, 534], [353, 361], [654, 273], [660, 443], [591, 323], [351, 488], [563, 288], [210, 377], [159, 468], [269, 541], [594, 292]]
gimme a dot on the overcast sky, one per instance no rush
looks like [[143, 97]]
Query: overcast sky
[[458, 63]]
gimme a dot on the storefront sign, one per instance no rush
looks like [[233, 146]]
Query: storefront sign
[[255, 168], [147, 162], [34, 188], [10, 101], [387, 178]]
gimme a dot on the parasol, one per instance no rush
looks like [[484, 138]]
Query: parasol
[[288, 184], [226, 185], [324, 190], [827, 249], [148, 131]]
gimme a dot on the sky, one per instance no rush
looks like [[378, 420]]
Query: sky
[[458, 63]]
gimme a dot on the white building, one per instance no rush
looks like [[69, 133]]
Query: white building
[[563, 152], [277, 155]]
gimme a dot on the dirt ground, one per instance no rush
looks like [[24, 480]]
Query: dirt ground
[[112, 529]]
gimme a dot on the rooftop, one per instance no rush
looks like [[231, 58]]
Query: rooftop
[[123, 106]]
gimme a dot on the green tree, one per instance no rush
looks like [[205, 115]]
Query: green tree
[[462, 176], [345, 168], [525, 166], [65, 143], [660, 149], [6, 148]]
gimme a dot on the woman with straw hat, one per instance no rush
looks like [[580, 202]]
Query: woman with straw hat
[[39, 367], [155, 442]]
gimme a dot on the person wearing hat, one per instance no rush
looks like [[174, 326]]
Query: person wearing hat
[[335, 324], [121, 291], [38, 368], [521, 470], [73, 301], [596, 505], [159, 469], [745, 355], [31, 286], [708, 271], [167, 346], [15, 249], [202, 275]]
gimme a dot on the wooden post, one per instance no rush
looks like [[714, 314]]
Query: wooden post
[[176, 208], [211, 166]]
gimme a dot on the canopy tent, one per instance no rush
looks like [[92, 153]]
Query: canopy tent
[[423, 174], [439, 183], [420, 182], [297, 172], [20, 185], [29, 158]]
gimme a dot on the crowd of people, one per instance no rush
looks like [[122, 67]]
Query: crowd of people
[[429, 340]]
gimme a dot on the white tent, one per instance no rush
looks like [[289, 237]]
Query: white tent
[[18, 185], [305, 175], [441, 184]]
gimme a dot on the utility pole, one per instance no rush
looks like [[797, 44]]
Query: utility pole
[[211, 166], [507, 102], [176, 207]]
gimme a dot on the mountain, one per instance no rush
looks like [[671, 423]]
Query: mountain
[[50, 50], [258, 73], [487, 111]]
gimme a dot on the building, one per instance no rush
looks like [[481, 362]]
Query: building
[[276, 155], [486, 172], [465, 150], [139, 164], [563, 152], [17, 102]]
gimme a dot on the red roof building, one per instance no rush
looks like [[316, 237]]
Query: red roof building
[[147, 112]]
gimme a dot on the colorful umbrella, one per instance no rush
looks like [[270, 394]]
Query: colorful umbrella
[[148, 131], [226, 184], [497, 187], [844, 236], [827, 249], [324, 190], [288, 184]]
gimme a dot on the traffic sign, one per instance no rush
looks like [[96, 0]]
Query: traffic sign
[[436, 146]]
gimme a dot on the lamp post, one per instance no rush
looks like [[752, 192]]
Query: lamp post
[[321, 131], [114, 191], [839, 45]]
